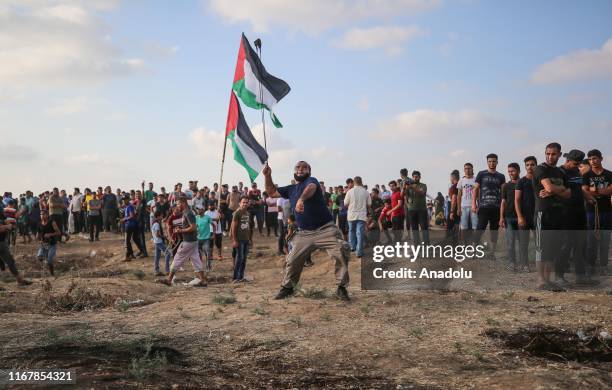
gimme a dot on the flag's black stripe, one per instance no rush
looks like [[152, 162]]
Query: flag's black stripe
[[244, 133], [277, 87]]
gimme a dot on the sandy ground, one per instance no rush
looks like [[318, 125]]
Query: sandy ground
[[238, 336]]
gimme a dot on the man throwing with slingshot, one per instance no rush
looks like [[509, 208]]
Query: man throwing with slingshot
[[316, 229]]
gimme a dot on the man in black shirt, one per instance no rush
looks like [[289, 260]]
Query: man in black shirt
[[524, 206], [486, 200], [376, 208], [551, 189], [574, 243], [142, 216], [508, 213], [597, 187]]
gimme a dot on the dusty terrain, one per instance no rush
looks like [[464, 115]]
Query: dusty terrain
[[237, 336]]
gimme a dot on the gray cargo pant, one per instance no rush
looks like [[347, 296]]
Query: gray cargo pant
[[305, 242]]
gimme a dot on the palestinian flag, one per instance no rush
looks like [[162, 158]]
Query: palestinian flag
[[247, 151], [254, 85]]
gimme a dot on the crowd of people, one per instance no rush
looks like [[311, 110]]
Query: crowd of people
[[566, 209]]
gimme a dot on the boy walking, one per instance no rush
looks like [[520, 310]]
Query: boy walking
[[203, 223], [159, 243]]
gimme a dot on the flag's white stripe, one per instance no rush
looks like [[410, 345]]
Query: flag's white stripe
[[252, 84], [251, 158]]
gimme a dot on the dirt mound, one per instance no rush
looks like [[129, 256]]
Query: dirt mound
[[75, 298], [127, 361], [565, 344]]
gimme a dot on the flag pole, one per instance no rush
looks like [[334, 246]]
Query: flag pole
[[222, 163], [263, 118]]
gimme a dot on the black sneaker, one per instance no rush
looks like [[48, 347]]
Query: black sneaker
[[284, 293], [342, 293]]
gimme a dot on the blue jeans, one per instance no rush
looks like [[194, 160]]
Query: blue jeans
[[467, 216], [205, 250], [159, 249], [47, 252], [356, 232], [511, 238], [241, 257]]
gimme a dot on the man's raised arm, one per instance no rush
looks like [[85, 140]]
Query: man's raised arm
[[269, 183]]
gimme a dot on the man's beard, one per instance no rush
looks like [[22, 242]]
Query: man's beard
[[301, 178]]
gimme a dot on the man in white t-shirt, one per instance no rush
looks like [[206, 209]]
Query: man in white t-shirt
[[75, 209], [216, 238], [358, 202], [465, 186]]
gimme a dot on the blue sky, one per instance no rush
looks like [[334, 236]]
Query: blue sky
[[114, 92]]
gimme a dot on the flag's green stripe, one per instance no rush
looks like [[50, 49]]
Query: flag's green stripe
[[240, 159], [250, 100]]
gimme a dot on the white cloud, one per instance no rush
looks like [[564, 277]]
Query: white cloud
[[426, 124], [209, 143], [68, 107], [580, 65], [313, 16], [160, 51], [14, 152], [58, 42], [389, 38], [89, 159]]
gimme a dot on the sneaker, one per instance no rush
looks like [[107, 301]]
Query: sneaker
[[308, 264], [511, 267], [284, 293], [561, 282], [554, 287], [196, 282], [159, 273], [342, 293], [24, 282], [165, 281], [603, 271]]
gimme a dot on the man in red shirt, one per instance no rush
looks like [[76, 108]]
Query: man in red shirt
[[397, 211]]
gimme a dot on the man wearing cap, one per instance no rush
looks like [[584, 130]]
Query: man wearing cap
[[316, 229], [597, 186], [574, 243]]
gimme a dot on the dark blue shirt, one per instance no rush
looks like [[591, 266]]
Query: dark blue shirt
[[316, 213], [132, 222], [490, 189]]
